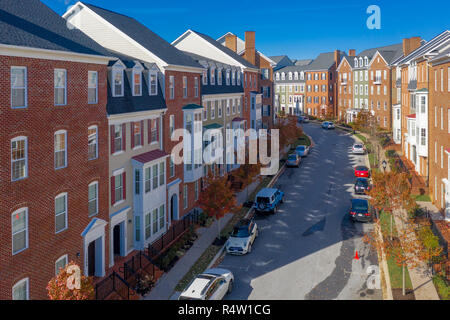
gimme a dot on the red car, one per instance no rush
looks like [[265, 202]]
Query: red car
[[362, 172]]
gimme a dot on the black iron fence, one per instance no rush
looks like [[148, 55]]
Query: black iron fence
[[156, 248], [112, 283]]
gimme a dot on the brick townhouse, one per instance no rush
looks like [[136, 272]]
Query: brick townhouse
[[439, 127], [53, 149], [345, 84], [247, 74], [248, 51], [180, 77], [321, 84]]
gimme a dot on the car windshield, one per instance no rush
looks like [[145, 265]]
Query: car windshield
[[187, 298], [240, 232], [361, 168], [358, 146], [360, 206], [262, 200], [361, 183], [292, 157]]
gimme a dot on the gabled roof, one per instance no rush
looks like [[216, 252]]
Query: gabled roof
[[429, 48], [389, 54], [241, 47], [277, 59], [217, 45], [32, 24], [324, 61], [145, 37]]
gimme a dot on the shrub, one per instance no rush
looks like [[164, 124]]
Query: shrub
[[442, 288]]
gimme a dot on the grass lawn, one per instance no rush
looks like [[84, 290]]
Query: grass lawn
[[202, 263], [372, 160], [442, 288], [361, 137], [395, 271], [421, 197]]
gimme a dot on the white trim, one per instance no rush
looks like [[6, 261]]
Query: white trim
[[19, 138], [136, 70]]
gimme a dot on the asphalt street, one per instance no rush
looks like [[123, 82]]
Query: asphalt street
[[306, 250]]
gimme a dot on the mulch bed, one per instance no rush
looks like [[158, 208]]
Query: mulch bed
[[398, 295]]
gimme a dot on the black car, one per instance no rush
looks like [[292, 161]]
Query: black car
[[362, 185], [361, 211]]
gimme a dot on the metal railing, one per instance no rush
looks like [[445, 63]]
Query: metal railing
[[112, 283]]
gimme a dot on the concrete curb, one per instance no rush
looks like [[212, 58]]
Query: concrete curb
[[271, 183]]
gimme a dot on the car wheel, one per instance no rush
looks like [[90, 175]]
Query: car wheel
[[230, 286]]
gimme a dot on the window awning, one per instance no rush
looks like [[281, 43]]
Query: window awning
[[150, 156]]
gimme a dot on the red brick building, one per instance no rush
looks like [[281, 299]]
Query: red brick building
[[53, 149], [345, 86]]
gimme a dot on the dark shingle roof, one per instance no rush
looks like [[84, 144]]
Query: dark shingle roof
[[324, 61], [30, 23], [129, 103], [224, 49], [145, 37], [277, 59], [389, 53], [150, 156], [303, 62]]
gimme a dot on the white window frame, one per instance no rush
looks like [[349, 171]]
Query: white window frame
[[16, 139], [63, 257], [65, 150], [212, 76], [94, 183], [96, 86], [196, 90], [154, 75], [19, 283], [185, 87], [96, 142], [64, 87], [171, 87], [137, 71], [25, 88], [66, 212], [25, 229]]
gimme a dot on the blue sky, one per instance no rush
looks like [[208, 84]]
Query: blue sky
[[300, 29]]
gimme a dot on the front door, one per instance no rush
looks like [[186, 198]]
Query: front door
[[116, 240], [91, 259]]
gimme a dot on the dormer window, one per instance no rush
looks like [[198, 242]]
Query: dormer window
[[137, 81], [296, 75], [238, 78], [227, 78], [153, 83], [212, 76], [205, 77], [233, 78], [356, 62], [366, 61], [118, 82], [283, 76], [290, 75], [360, 62], [219, 76], [302, 75], [277, 76]]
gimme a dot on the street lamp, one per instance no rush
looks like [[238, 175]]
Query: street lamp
[[384, 165]]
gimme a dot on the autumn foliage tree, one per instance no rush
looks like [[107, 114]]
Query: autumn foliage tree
[[391, 191], [217, 198], [289, 131], [70, 284]]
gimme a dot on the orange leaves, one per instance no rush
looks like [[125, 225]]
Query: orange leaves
[[70, 284]]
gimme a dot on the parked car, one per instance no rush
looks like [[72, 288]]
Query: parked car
[[213, 284], [330, 126], [300, 119], [293, 160], [358, 148], [325, 125], [302, 151], [267, 200], [361, 210], [362, 185], [362, 172], [305, 120], [242, 238]]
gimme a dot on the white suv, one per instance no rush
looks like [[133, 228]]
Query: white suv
[[358, 148], [213, 284]]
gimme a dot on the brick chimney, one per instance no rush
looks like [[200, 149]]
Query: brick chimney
[[406, 47], [231, 42], [414, 43], [351, 52], [250, 51], [337, 57]]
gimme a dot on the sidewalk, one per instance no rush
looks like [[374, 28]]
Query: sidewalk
[[420, 276], [165, 286]]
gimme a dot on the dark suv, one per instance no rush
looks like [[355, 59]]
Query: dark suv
[[361, 211], [362, 185]]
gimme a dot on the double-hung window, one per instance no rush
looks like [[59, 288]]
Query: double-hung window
[[227, 77], [118, 137], [118, 82], [148, 179], [60, 149], [162, 217], [20, 291], [155, 176], [162, 173], [93, 198], [18, 87], [61, 212], [205, 77], [172, 87], [137, 82], [212, 76], [92, 87], [196, 87], [19, 158], [153, 78], [118, 188], [19, 223], [185, 87], [137, 134], [61, 263], [92, 143], [60, 87]]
